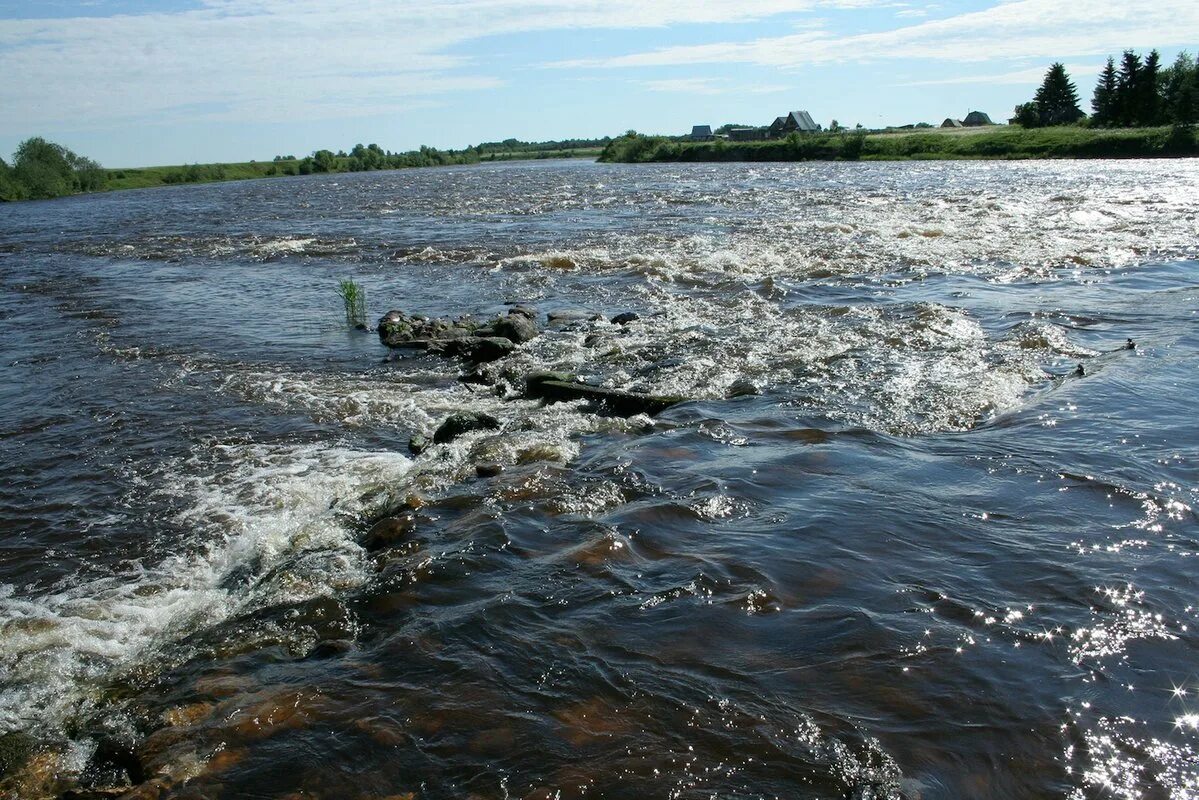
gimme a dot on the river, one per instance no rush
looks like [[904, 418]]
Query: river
[[896, 546]]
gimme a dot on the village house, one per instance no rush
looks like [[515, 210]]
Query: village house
[[975, 119], [702, 133], [795, 122]]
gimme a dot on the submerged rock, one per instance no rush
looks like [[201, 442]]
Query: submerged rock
[[488, 470], [113, 765], [465, 422], [418, 444], [556, 387], [15, 750], [388, 532], [742, 387]]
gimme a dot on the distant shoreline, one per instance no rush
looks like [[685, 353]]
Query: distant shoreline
[[1000, 142], [119, 179], [152, 177]]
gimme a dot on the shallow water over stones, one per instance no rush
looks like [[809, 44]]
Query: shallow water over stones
[[893, 545]]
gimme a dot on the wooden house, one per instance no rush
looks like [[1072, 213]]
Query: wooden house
[[795, 122]]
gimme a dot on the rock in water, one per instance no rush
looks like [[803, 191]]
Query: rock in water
[[462, 423], [457, 337], [516, 328], [572, 315], [488, 470], [397, 329], [742, 387], [112, 765], [626, 318], [554, 387], [418, 444], [388, 532], [15, 750], [476, 349]]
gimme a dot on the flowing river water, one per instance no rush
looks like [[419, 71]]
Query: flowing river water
[[894, 547]]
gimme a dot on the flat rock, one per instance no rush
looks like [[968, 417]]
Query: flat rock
[[399, 330], [463, 336], [555, 388], [572, 315], [476, 349]]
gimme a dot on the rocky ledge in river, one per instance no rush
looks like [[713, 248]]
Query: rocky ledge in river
[[554, 387], [464, 337]]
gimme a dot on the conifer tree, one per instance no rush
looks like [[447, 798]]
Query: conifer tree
[[1103, 104], [1148, 102], [1127, 82], [1057, 99]]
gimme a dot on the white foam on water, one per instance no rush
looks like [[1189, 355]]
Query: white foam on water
[[276, 511]]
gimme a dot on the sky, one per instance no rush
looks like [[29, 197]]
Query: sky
[[149, 82]]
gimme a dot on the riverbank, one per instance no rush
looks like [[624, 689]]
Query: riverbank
[[150, 177], [104, 180], [998, 142]]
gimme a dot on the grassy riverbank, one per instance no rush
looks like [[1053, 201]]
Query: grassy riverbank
[[148, 177], [998, 142], [74, 175]]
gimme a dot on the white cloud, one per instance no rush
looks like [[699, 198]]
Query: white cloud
[[685, 85], [709, 86], [1045, 29], [286, 60]]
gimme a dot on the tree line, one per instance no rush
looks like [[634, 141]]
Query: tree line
[[366, 158], [41, 170], [1139, 93]]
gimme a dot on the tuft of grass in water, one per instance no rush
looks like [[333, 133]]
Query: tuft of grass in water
[[353, 296]]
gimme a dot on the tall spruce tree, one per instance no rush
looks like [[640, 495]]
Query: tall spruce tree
[[1103, 104], [1148, 101], [1057, 99], [1127, 82]]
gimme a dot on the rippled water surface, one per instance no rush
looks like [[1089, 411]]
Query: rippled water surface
[[895, 547]]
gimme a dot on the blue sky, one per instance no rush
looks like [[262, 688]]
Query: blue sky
[[141, 82]]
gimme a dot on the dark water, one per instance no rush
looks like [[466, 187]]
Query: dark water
[[925, 560]]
